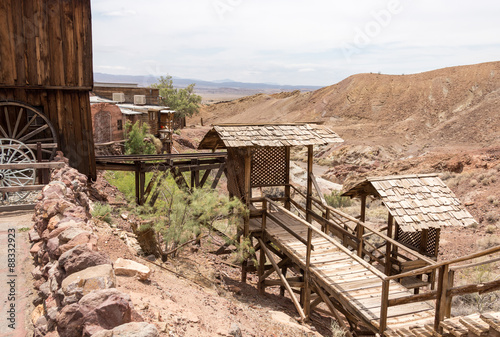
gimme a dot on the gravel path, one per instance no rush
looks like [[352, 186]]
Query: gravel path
[[15, 276]]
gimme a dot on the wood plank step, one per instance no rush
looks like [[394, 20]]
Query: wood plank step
[[400, 333], [454, 327], [492, 319], [421, 332], [475, 324]]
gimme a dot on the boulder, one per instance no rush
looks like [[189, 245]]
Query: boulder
[[33, 235], [78, 284], [134, 329], [70, 321], [83, 238], [131, 268], [36, 248], [80, 258], [70, 233], [105, 309], [37, 313]]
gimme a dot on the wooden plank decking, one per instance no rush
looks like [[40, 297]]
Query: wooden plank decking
[[357, 288]]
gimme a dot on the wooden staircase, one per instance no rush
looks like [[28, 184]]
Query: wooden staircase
[[475, 325]]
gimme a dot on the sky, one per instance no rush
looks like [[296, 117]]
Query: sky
[[291, 42]]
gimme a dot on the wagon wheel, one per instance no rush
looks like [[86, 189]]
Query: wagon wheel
[[14, 152], [28, 125]]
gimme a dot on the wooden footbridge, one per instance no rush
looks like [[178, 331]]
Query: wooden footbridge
[[331, 272], [328, 261]]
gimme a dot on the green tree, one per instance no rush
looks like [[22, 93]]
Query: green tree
[[184, 101], [137, 139]]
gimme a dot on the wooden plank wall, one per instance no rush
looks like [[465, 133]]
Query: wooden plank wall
[[69, 112], [46, 44], [46, 61]]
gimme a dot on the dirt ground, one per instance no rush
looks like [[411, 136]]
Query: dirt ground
[[15, 281], [200, 294]]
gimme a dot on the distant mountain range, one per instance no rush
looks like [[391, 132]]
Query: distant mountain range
[[147, 80]]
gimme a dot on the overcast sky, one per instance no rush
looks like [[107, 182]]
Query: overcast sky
[[315, 42]]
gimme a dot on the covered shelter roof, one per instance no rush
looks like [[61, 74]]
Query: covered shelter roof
[[416, 202], [225, 136]]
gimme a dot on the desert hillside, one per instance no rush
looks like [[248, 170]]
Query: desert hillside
[[452, 106]]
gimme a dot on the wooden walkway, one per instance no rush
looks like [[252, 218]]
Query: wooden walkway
[[343, 275]]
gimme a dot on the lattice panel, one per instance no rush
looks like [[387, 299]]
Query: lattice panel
[[413, 240], [269, 167], [433, 242]]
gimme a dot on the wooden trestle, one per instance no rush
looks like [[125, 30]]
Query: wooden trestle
[[162, 164]]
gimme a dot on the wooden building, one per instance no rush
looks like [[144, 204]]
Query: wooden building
[[46, 64], [129, 91]]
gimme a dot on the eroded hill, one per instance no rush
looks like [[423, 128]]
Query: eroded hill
[[457, 106]]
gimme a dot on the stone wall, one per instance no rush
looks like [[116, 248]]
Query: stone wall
[[75, 282]]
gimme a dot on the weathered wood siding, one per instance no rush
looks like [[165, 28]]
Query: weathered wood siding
[[46, 43], [69, 112], [46, 61]]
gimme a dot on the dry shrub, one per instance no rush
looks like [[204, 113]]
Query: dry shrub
[[492, 217], [488, 242], [490, 229]]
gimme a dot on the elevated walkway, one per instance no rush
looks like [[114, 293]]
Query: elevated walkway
[[338, 274]]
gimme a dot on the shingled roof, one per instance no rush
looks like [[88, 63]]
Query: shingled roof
[[276, 135], [416, 201]]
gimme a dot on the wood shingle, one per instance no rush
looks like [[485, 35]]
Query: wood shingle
[[418, 201], [292, 134]]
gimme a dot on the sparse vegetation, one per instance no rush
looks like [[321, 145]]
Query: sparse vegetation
[[472, 303], [184, 101], [335, 200], [137, 142], [490, 229], [102, 212], [493, 200], [492, 217], [337, 331]]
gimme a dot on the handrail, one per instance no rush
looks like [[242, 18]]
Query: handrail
[[374, 232], [334, 242], [443, 263]]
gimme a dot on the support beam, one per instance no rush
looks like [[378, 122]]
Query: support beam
[[332, 309], [283, 280]]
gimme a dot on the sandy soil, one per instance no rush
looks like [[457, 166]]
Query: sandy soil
[[19, 276]]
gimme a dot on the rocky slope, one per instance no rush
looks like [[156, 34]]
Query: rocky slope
[[452, 106]]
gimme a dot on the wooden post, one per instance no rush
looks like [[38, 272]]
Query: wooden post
[[307, 288], [40, 172], [137, 182], [388, 245], [441, 297], [287, 177], [248, 196], [309, 182], [360, 229], [142, 183], [262, 254], [384, 306], [451, 281]]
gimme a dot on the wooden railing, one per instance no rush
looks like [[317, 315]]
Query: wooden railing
[[446, 270]]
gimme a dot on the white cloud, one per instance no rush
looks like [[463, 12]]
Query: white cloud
[[270, 41]]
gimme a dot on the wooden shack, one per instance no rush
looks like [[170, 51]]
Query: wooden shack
[[418, 206], [46, 64], [258, 155]]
